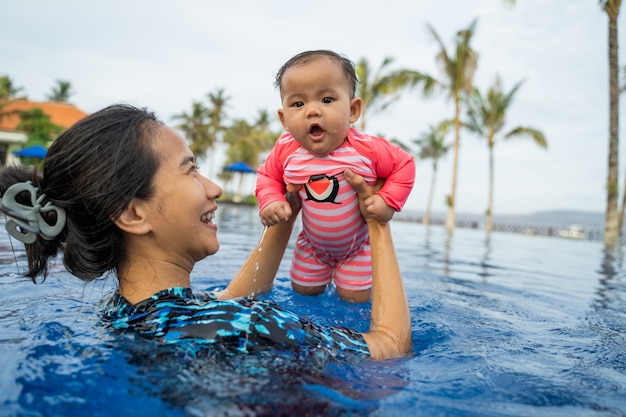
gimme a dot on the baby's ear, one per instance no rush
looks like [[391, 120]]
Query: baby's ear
[[134, 218], [355, 109], [281, 117]]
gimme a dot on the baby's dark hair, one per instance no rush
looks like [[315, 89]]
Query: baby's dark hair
[[92, 170], [304, 57]]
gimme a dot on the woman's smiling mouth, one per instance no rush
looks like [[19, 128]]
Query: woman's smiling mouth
[[207, 218]]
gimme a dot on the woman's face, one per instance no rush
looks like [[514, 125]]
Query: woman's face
[[183, 205]]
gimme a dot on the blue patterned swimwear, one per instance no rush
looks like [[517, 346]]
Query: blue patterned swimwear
[[241, 324]]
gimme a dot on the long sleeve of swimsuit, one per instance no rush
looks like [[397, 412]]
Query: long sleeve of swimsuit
[[270, 185], [391, 163]]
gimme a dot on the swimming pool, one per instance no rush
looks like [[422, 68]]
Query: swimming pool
[[512, 325]]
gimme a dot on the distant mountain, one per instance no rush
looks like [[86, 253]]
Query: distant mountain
[[555, 218]]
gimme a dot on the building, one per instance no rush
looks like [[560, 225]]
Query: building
[[61, 114]]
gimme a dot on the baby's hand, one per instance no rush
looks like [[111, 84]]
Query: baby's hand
[[276, 212], [378, 209]]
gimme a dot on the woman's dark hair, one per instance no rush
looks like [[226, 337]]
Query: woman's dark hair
[[92, 170], [307, 56]]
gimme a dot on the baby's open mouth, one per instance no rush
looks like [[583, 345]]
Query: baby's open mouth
[[316, 130]]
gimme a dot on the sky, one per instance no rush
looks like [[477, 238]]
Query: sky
[[164, 55]]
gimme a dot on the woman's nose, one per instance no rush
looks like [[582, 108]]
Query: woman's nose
[[213, 191]]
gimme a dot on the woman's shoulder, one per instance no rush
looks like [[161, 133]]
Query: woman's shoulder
[[115, 305]]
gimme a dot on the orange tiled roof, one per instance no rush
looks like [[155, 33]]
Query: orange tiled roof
[[62, 114]]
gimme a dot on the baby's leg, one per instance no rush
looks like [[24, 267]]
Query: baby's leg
[[309, 275], [304, 290], [354, 296], [353, 277]]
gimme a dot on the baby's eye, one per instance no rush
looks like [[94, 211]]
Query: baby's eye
[[327, 100], [298, 104]]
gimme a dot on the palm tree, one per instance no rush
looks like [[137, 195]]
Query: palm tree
[[377, 89], [487, 118], [8, 90], [61, 92], [458, 68], [196, 128], [217, 116], [217, 112], [246, 142], [612, 222], [432, 147]]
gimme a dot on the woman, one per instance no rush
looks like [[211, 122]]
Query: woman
[[121, 193]]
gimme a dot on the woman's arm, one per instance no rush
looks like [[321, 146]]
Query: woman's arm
[[389, 335], [256, 275]]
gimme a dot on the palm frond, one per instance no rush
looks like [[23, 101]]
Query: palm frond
[[528, 132]]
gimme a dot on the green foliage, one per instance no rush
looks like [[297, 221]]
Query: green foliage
[[61, 92], [38, 127], [432, 143], [248, 141], [487, 115], [458, 66], [379, 89], [196, 128], [8, 89], [203, 126]]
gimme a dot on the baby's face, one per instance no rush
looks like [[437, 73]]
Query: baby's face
[[317, 105]]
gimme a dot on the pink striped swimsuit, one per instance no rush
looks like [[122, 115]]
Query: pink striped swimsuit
[[334, 243]]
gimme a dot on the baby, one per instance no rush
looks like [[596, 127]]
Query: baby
[[317, 90]]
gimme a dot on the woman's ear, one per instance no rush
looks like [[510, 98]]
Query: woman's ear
[[134, 219]]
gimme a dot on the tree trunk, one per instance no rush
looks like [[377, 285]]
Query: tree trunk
[[611, 225], [489, 219], [451, 219], [426, 219]]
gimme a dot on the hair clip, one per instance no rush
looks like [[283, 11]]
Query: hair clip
[[28, 218]]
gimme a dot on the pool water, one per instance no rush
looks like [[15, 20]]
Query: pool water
[[506, 325]]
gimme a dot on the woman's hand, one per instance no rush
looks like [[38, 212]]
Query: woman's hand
[[364, 191], [389, 335], [293, 198]]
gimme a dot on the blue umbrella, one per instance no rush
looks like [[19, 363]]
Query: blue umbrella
[[243, 169], [239, 167], [36, 151]]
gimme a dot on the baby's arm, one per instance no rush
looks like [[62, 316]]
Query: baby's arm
[[276, 212], [378, 209], [397, 167]]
